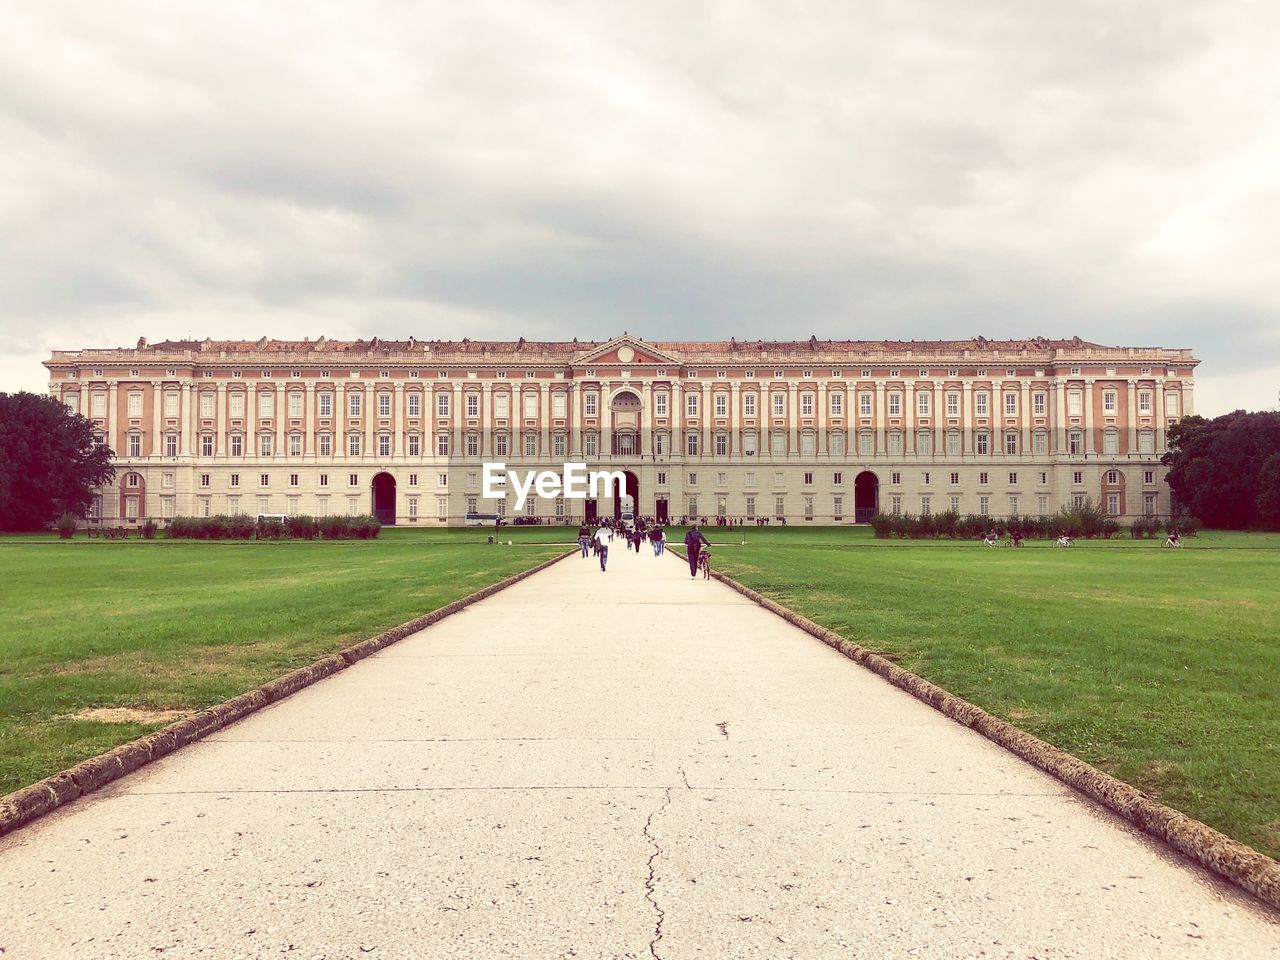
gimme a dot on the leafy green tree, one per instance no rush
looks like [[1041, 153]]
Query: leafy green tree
[[50, 461], [1215, 465], [1269, 493]]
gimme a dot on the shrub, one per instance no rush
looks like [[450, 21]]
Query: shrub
[[947, 524], [302, 528], [67, 526], [882, 524], [1186, 525], [269, 529], [1144, 528], [148, 530]]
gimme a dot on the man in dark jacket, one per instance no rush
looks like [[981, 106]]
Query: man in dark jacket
[[693, 541]]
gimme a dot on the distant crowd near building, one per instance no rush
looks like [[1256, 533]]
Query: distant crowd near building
[[813, 431]]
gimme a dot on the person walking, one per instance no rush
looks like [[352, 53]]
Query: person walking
[[693, 541], [659, 543], [602, 546], [584, 539]]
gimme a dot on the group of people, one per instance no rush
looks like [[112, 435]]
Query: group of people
[[634, 536]]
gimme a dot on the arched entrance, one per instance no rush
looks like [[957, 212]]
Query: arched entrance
[[866, 496], [384, 499], [631, 490], [624, 409]]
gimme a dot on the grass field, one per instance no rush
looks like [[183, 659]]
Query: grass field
[[179, 625], [1159, 666]]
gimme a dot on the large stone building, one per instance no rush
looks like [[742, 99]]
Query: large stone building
[[815, 431]]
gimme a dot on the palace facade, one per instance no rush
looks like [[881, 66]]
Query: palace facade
[[815, 431]]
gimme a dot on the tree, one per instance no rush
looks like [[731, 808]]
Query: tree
[[1214, 465], [1269, 493], [50, 461]]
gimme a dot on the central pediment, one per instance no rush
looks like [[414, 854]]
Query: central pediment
[[625, 350]]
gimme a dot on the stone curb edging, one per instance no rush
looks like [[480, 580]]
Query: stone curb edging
[[1230, 859], [30, 802]]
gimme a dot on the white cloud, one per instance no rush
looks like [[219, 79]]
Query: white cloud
[[560, 170]]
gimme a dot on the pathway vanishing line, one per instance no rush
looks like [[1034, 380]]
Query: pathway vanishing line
[[596, 788]]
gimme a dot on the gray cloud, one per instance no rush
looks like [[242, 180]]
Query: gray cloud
[[726, 169]]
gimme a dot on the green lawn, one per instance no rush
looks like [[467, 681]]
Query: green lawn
[[1159, 666], [180, 625]]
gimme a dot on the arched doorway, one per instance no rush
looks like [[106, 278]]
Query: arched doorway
[[624, 409], [384, 499], [631, 489], [866, 496]]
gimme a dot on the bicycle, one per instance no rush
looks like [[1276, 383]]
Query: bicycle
[[704, 564]]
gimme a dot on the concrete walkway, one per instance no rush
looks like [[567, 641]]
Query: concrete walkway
[[629, 764]]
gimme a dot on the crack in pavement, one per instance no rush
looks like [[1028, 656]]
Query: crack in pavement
[[685, 777], [648, 883], [723, 727]]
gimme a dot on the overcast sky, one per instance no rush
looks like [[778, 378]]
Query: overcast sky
[[680, 170]]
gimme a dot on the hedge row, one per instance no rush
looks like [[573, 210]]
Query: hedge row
[[1087, 521], [299, 528]]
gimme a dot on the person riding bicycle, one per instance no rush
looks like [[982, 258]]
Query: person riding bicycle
[[1064, 540], [992, 538], [1016, 537], [1174, 539]]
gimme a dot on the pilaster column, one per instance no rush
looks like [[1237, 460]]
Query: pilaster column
[[154, 447], [1089, 447], [735, 415], [677, 423], [185, 421], [1058, 389], [486, 420], [1024, 417], [966, 419], [251, 420], [1159, 416], [340, 421], [793, 419], [544, 421], [455, 421], [220, 414], [369, 409], [909, 420], [821, 420], [1131, 412], [309, 419], [995, 444], [606, 421], [397, 420], [880, 421], [280, 448], [113, 418], [646, 422]]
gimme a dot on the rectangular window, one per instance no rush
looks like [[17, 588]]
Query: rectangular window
[[324, 480], [984, 505], [864, 404], [590, 403], [980, 404], [442, 404], [134, 406], [98, 405], [895, 444], [205, 479], [779, 404], [530, 444], [353, 444], [591, 444], [558, 445], [473, 404], [808, 479], [691, 444], [1110, 442], [293, 479], [693, 479], [1041, 442], [953, 404], [207, 401], [1039, 403], [749, 404], [780, 506], [384, 445], [955, 477], [326, 404], [354, 404], [808, 506], [662, 479], [865, 441], [691, 405], [559, 405], [1013, 506], [895, 404], [1144, 401], [442, 508], [924, 443], [266, 443], [1011, 443], [1171, 404], [837, 508], [530, 405], [835, 441], [895, 504], [1109, 402], [806, 404], [353, 479], [693, 506], [1077, 477], [442, 445], [326, 444], [1113, 504], [295, 404], [1013, 479], [135, 445], [922, 404], [837, 404], [473, 445], [953, 444], [660, 404], [751, 508], [722, 445], [233, 480], [722, 405], [1149, 504], [295, 444], [264, 480], [981, 442], [266, 405], [384, 404], [415, 445], [1010, 404], [837, 478], [1075, 403], [1075, 442], [895, 478], [501, 406], [925, 506]]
